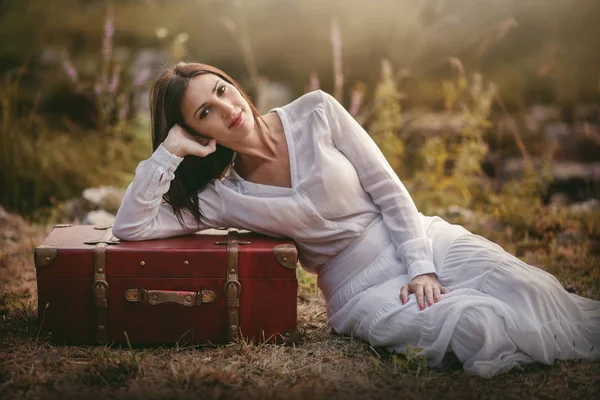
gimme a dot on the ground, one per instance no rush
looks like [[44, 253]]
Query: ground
[[321, 365]]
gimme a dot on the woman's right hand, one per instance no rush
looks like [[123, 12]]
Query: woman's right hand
[[182, 143]]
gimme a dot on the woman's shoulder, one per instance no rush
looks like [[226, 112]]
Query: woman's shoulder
[[307, 103]]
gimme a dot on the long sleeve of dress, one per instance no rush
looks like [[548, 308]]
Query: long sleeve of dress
[[143, 215], [378, 179]]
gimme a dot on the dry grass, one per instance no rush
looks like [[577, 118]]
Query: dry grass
[[322, 365]]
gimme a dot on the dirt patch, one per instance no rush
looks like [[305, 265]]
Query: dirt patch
[[18, 239]]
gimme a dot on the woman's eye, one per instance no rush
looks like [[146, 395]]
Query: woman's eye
[[204, 112]]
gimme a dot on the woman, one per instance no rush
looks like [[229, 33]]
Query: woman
[[389, 274]]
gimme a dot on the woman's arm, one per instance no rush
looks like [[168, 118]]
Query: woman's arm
[[401, 217], [143, 215]]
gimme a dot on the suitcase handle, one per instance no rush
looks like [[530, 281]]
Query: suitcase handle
[[154, 297]]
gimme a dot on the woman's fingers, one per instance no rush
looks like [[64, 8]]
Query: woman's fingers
[[182, 143], [404, 294], [436, 293], [429, 294], [202, 150], [423, 292], [419, 292]]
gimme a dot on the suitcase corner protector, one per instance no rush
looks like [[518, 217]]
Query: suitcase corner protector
[[44, 254], [291, 335], [286, 255]]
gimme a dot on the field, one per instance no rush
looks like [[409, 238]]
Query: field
[[452, 92], [322, 365]]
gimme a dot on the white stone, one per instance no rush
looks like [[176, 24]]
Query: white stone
[[557, 130], [104, 195], [98, 217], [586, 206]]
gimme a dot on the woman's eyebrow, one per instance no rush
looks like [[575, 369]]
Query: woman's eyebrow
[[203, 104]]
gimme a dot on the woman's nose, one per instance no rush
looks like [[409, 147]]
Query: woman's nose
[[227, 108]]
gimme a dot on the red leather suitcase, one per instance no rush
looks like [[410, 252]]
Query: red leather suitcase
[[199, 288]]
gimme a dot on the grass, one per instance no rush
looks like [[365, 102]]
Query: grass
[[321, 365]]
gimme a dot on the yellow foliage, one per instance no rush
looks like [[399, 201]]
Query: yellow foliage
[[450, 171], [387, 118], [39, 166]]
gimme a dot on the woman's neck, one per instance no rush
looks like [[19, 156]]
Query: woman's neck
[[263, 145]]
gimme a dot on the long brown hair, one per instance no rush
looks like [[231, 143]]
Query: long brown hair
[[194, 173]]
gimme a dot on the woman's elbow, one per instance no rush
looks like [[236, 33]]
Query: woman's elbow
[[126, 234]]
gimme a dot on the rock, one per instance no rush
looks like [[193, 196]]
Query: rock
[[541, 114], [73, 210], [98, 217], [105, 197], [557, 130], [545, 113], [561, 170], [432, 124], [573, 170], [586, 206]]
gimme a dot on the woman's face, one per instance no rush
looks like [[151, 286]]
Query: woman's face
[[214, 108]]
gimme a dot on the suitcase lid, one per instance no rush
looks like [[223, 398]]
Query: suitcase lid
[[68, 251]]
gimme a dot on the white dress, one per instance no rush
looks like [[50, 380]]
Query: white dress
[[356, 226]]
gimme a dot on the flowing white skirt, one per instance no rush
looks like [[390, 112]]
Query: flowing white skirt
[[500, 312]]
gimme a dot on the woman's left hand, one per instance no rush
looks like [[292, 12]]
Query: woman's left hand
[[425, 287]]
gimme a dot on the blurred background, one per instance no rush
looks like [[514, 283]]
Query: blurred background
[[490, 105], [488, 110]]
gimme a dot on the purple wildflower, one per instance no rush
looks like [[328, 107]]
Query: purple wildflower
[[70, 70], [356, 98], [116, 77], [109, 31], [142, 77]]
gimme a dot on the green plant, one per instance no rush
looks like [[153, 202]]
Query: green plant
[[386, 121], [41, 164], [412, 361], [307, 282], [450, 164]]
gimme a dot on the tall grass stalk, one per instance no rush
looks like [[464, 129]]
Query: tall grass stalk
[[238, 29], [336, 47], [42, 322]]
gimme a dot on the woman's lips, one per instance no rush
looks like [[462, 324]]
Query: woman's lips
[[237, 121]]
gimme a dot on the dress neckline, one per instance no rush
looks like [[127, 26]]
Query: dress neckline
[[291, 160]]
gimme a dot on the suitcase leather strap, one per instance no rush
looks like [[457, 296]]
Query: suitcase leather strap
[[155, 297], [100, 286], [233, 287]]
